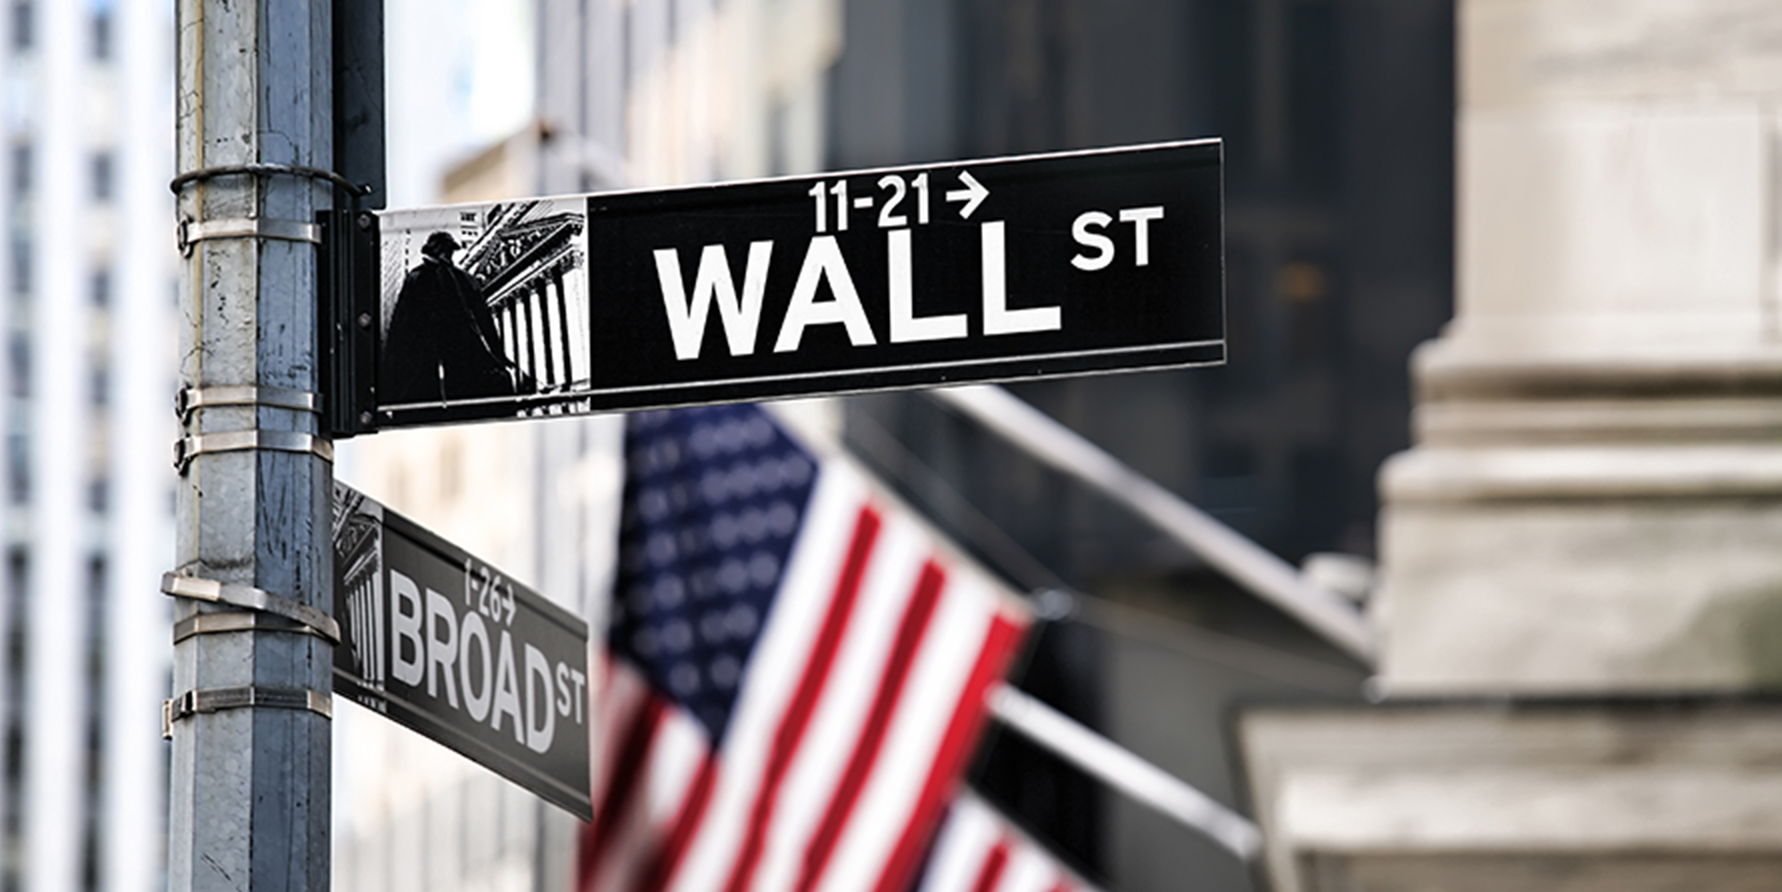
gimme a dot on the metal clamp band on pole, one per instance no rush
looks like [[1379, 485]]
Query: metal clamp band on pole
[[181, 586], [193, 231], [188, 448], [266, 170], [191, 399], [242, 621], [191, 703]]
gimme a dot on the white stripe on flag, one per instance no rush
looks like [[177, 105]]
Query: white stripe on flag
[[942, 667], [1029, 870], [665, 776], [673, 763], [619, 702], [618, 694], [959, 852], [969, 844], [774, 674], [848, 697], [680, 749]]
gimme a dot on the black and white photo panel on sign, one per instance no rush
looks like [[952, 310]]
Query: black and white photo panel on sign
[[483, 304]]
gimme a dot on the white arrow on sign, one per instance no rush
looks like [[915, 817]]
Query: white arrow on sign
[[973, 194]]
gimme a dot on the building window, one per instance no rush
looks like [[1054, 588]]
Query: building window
[[95, 749], [102, 33], [779, 152], [22, 24], [21, 266], [18, 468], [18, 363], [21, 171], [89, 858], [102, 180], [17, 652], [97, 580]]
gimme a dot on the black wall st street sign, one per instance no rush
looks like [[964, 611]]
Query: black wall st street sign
[[1045, 265], [441, 642]]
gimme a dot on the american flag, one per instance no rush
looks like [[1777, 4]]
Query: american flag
[[978, 850], [795, 669]]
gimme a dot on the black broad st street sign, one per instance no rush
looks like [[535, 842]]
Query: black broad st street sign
[[1064, 264], [445, 644]]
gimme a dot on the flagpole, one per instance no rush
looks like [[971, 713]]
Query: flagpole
[[1253, 566], [1125, 771]]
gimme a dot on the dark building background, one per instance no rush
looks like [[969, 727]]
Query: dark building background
[[1338, 118]]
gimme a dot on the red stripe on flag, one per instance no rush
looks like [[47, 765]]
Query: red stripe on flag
[[810, 686], [968, 717], [625, 778], [994, 862], [916, 619], [674, 849]]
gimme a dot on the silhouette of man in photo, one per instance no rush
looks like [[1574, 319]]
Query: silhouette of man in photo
[[442, 343]]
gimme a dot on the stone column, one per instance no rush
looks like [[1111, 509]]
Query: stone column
[[565, 327], [1581, 557], [1594, 502]]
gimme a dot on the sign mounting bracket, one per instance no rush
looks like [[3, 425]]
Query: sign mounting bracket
[[351, 321]]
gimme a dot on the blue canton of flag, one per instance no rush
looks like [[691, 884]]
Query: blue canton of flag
[[714, 498]]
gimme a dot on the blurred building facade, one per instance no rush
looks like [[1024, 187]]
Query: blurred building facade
[[1337, 121], [89, 272], [1580, 601]]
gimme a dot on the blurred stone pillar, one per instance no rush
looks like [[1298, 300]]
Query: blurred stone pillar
[[1594, 503], [1581, 557]]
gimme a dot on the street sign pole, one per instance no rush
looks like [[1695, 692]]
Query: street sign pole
[[250, 715]]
